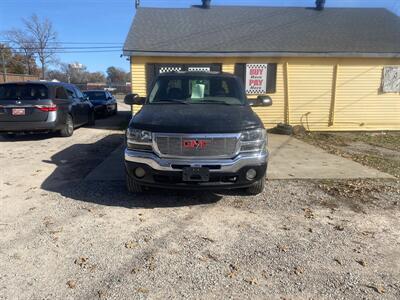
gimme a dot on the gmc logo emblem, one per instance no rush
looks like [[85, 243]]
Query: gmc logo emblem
[[194, 144]]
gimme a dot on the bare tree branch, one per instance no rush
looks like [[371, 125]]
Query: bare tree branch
[[25, 44], [45, 39]]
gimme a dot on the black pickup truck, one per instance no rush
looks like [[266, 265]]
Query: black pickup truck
[[196, 130]]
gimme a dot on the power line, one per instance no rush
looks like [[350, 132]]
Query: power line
[[68, 52], [66, 48], [70, 43]]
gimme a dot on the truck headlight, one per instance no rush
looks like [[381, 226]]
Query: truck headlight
[[137, 139], [253, 140]]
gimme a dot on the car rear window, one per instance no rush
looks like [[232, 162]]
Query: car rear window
[[23, 92], [96, 95]]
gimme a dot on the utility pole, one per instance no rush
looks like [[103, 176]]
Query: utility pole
[[4, 64], [137, 3]]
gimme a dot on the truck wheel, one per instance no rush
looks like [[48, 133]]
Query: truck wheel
[[256, 188], [132, 185], [68, 127]]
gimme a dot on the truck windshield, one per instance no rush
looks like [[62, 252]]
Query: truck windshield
[[197, 90], [23, 91]]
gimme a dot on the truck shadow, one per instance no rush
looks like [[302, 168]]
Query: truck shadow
[[74, 163], [116, 122]]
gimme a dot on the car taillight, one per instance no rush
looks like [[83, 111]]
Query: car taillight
[[46, 108]]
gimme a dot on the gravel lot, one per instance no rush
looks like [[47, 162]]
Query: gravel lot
[[62, 237]]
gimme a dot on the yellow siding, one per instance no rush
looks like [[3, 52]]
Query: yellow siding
[[358, 103], [228, 68], [310, 94], [276, 113]]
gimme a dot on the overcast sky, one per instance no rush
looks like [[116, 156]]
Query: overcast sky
[[108, 21]]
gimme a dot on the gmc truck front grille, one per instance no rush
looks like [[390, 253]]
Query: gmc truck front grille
[[197, 145]]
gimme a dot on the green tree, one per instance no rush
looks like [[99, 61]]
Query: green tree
[[24, 44], [15, 62]]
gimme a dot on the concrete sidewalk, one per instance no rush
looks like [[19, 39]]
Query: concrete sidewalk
[[290, 159]]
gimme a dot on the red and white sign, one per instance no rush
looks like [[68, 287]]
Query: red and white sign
[[256, 78]]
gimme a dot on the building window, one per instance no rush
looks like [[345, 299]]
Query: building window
[[391, 80]]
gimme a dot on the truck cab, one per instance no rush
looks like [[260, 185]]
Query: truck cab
[[196, 130]]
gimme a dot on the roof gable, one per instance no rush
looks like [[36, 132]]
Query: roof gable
[[279, 31]]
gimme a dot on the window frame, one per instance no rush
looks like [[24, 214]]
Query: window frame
[[65, 93]]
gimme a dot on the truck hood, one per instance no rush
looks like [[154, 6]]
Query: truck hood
[[195, 118]]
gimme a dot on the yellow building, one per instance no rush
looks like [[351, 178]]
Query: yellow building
[[327, 69]]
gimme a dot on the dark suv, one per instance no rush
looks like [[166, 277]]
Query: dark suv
[[103, 101], [196, 131], [43, 106]]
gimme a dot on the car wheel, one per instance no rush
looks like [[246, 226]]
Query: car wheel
[[132, 185], [91, 119], [257, 188], [68, 127], [115, 110]]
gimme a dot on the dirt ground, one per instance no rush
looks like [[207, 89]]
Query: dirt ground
[[377, 150], [63, 237]]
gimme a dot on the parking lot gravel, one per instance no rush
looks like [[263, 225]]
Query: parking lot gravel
[[62, 237]]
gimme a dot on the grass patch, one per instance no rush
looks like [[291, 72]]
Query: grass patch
[[385, 140]]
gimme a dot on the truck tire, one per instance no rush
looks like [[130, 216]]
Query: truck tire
[[68, 127], [257, 188], [132, 185], [284, 129]]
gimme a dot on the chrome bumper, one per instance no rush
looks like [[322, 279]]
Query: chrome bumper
[[226, 165]]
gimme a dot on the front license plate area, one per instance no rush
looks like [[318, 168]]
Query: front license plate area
[[194, 174], [18, 112]]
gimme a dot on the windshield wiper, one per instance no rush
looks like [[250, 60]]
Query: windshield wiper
[[213, 102], [171, 101]]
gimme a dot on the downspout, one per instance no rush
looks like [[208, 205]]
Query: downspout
[[287, 95], [333, 98]]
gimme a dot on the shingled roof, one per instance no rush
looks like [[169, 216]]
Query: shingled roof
[[264, 31]]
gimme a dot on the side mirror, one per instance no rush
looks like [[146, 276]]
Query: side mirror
[[264, 100], [252, 102], [261, 101], [132, 99]]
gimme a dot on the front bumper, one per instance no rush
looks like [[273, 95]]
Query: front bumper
[[224, 173], [104, 108]]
